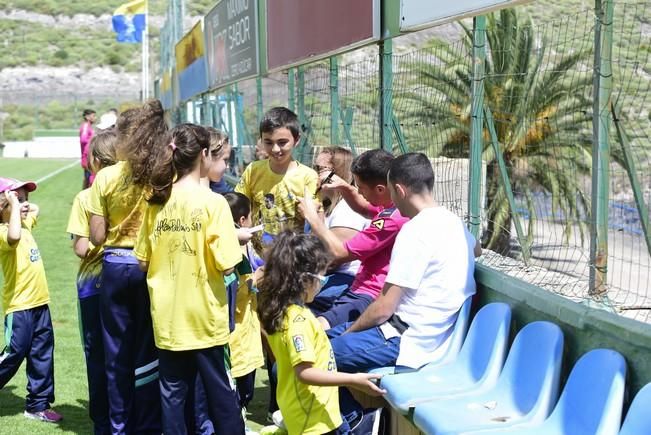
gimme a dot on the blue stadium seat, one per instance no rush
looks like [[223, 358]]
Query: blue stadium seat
[[591, 402], [477, 365], [456, 339], [638, 417], [525, 391]]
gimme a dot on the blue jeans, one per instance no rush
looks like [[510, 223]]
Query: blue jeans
[[362, 351], [337, 285]]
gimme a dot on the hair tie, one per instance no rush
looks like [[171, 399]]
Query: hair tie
[[173, 146]]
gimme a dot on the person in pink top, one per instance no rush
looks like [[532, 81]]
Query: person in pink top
[[372, 246], [85, 135]]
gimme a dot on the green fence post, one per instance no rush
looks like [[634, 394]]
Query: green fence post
[[229, 115], [258, 99], [602, 91], [631, 170], [504, 175], [477, 126], [386, 93], [397, 130], [347, 122], [302, 116], [291, 90], [207, 110], [334, 101]]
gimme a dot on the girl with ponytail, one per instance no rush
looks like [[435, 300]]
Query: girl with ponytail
[[188, 246]]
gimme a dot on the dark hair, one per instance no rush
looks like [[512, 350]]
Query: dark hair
[[414, 171], [372, 166], [288, 262], [87, 112], [280, 117], [239, 203], [177, 157], [146, 131]]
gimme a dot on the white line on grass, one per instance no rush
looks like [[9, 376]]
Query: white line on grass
[[57, 172]]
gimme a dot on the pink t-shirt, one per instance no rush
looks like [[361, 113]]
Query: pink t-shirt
[[85, 135], [372, 247]]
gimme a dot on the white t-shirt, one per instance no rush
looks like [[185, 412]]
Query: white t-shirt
[[433, 261], [344, 216]]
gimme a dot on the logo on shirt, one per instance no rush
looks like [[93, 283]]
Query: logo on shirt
[[299, 318], [378, 223], [299, 343], [34, 255], [332, 365]]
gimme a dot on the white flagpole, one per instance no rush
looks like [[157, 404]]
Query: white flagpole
[[145, 55]]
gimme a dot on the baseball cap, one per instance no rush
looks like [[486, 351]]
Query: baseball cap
[[107, 120], [13, 184]]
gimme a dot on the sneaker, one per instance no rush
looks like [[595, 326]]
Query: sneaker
[[249, 431], [371, 422], [272, 430], [47, 415], [278, 420]]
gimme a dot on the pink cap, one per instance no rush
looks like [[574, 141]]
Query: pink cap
[[13, 184]]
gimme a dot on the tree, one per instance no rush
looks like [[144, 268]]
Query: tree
[[541, 103]]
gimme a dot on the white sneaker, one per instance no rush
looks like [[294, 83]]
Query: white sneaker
[[278, 420]]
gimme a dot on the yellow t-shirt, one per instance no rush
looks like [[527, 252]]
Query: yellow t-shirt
[[245, 341], [25, 284], [188, 242], [90, 267], [306, 409], [274, 197], [115, 197]]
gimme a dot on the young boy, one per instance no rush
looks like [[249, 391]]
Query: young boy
[[274, 185], [372, 245], [430, 277], [25, 298]]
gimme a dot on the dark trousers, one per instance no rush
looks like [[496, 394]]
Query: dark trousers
[[245, 388], [29, 335], [178, 378], [130, 355], [91, 335]]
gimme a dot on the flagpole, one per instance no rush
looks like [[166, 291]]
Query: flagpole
[[145, 55]]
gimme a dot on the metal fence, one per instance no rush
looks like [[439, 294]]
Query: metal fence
[[538, 133]]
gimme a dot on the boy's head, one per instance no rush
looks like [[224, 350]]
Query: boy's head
[[279, 132], [370, 171], [410, 174], [21, 189], [240, 208], [88, 115]]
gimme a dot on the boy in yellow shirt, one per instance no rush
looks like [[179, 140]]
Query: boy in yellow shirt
[[274, 185], [25, 298]]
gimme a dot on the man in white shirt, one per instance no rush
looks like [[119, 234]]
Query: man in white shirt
[[430, 277]]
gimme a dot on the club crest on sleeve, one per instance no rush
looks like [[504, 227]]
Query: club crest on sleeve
[[378, 223], [299, 318], [299, 343]]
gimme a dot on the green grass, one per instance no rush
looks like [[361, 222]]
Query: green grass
[[54, 196]]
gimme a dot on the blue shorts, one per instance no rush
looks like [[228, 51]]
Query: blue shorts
[[347, 308]]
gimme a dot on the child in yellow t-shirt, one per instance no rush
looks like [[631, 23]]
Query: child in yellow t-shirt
[[246, 344], [188, 245], [309, 400], [25, 298], [274, 185], [101, 152]]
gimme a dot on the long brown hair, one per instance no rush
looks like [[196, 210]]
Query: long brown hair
[[140, 139], [341, 159], [177, 157], [289, 262]]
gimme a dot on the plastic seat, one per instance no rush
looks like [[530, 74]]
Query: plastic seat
[[638, 417], [478, 363], [591, 402], [525, 391], [456, 339]]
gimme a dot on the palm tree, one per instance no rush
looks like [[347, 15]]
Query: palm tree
[[541, 104]]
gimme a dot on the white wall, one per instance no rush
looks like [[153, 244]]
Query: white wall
[[44, 147]]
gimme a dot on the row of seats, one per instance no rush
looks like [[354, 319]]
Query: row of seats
[[481, 385]]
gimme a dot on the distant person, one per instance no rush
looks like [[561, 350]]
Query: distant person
[[107, 121], [85, 135], [25, 299], [220, 154], [102, 154], [260, 153]]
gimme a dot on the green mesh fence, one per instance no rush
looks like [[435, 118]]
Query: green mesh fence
[[537, 138]]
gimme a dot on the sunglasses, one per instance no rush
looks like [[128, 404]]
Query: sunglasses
[[322, 279]]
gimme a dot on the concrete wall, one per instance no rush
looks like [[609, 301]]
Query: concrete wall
[[44, 147]]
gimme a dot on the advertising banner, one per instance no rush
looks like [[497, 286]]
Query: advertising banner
[[191, 64], [231, 34]]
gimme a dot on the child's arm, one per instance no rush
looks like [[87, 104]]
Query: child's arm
[[355, 200], [13, 232], [310, 375], [80, 246], [97, 229]]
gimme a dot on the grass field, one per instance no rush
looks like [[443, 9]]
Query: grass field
[[54, 196]]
